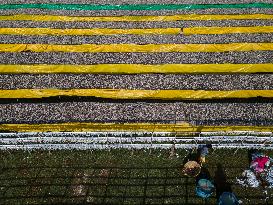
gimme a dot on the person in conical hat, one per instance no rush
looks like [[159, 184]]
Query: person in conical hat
[[191, 169]]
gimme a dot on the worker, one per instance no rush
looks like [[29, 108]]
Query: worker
[[204, 185], [202, 152], [228, 198]]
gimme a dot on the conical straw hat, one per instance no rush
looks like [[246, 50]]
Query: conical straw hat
[[191, 169]]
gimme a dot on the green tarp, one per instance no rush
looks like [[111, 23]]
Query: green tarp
[[134, 7]]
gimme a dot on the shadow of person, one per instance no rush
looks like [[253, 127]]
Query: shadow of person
[[204, 174], [250, 152], [191, 156], [220, 180]]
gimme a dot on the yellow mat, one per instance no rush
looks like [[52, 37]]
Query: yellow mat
[[149, 48], [136, 94], [186, 17], [138, 68], [135, 127], [88, 32], [227, 30]]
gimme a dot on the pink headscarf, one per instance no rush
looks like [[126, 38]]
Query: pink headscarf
[[259, 163]]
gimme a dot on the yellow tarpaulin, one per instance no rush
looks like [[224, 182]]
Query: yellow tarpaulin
[[227, 30], [144, 31], [186, 17], [136, 94], [138, 68], [88, 32], [116, 48], [135, 127]]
